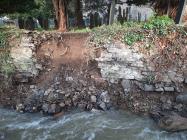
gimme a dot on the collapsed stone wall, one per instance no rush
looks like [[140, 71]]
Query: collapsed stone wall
[[24, 54], [121, 63], [121, 70], [117, 62]]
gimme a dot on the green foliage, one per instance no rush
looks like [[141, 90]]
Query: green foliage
[[3, 41], [159, 24], [45, 9], [20, 6], [106, 34], [84, 30], [132, 24], [25, 8], [6, 66], [131, 37], [150, 78]]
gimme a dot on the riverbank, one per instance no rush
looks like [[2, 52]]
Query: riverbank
[[113, 124], [56, 72]]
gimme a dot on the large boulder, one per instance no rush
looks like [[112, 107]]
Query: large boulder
[[182, 98], [171, 122]]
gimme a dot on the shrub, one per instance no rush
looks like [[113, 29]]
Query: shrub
[[159, 24], [131, 37]]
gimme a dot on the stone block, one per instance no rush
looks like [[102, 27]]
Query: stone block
[[159, 89], [185, 81], [169, 89], [148, 87]]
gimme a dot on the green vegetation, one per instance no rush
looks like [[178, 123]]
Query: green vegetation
[[107, 33], [159, 24], [6, 66], [131, 32], [3, 42], [130, 38], [83, 30]]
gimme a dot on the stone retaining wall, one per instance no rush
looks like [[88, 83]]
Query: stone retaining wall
[[121, 63], [24, 54]]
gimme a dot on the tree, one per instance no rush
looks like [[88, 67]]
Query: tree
[[19, 6], [180, 11], [60, 14], [43, 12], [79, 14]]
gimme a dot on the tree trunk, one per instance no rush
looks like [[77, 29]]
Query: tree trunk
[[21, 23], [91, 21], [180, 12], [60, 12], [169, 6], [112, 12], [79, 15]]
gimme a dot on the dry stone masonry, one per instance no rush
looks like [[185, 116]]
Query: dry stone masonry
[[24, 54], [119, 62]]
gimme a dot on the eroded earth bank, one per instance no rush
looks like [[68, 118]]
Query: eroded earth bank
[[56, 72]]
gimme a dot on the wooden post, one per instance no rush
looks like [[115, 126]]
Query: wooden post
[[180, 12]]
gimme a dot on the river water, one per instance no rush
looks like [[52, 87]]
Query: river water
[[112, 125]]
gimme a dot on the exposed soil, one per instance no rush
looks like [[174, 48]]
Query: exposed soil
[[71, 52]]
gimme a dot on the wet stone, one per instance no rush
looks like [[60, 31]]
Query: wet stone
[[105, 97], [102, 106], [178, 107], [20, 107], [166, 106], [2, 136], [45, 107], [182, 99], [53, 108]]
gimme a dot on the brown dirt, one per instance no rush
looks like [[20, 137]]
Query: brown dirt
[[71, 52]]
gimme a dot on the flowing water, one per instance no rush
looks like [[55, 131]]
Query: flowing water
[[112, 125]]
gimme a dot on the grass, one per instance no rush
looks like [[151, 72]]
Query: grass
[[131, 32], [83, 30], [108, 33]]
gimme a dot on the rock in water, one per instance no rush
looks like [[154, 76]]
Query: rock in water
[[182, 99], [171, 122], [2, 136], [105, 97], [103, 106]]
